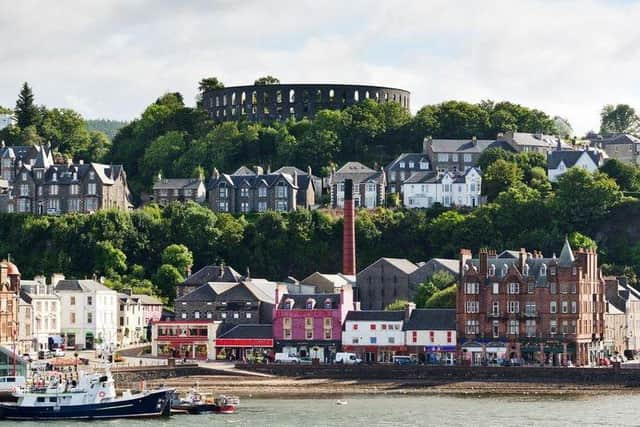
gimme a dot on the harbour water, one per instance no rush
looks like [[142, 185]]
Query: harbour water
[[610, 410]]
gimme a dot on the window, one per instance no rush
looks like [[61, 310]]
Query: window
[[247, 315], [574, 307], [495, 308], [91, 189], [530, 326], [72, 301], [514, 307], [514, 288], [24, 189], [530, 309], [372, 326], [492, 272], [244, 207], [355, 340], [286, 333], [355, 326], [236, 315], [443, 157], [262, 206], [565, 307], [196, 314], [412, 165], [472, 327], [223, 206], [373, 340], [467, 158], [222, 192], [72, 318], [209, 315], [73, 205], [472, 288], [473, 306], [281, 191], [262, 191], [391, 340], [281, 205], [496, 287], [244, 192], [553, 308], [183, 316], [54, 204], [495, 328], [565, 326], [89, 317], [89, 300], [543, 270], [53, 190], [401, 165], [513, 327], [553, 327], [454, 157]]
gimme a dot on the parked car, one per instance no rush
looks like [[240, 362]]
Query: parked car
[[403, 360], [30, 356], [286, 358], [44, 354], [348, 359], [305, 361], [58, 352]]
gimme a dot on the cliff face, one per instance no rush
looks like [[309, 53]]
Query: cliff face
[[618, 234]]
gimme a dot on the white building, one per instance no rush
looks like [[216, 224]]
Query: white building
[[430, 334], [559, 162], [374, 335], [424, 189], [45, 311], [131, 326], [90, 313]]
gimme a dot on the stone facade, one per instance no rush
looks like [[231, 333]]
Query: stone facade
[[167, 190], [247, 191], [368, 186], [385, 281], [264, 103], [623, 147], [531, 308], [39, 186]]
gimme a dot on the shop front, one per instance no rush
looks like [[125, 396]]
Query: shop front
[[376, 354], [440, 354], [193, 340], [325, 351], [476, 353], [252, 350]]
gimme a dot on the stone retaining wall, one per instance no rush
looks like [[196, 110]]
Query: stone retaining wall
[[627, 377]]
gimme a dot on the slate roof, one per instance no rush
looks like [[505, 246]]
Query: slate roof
[[375, 315], [300, 300], [533, 139], [252, 180], [80, 285], [303, 177], [211, 273], [433, 319], [422, 177], [570, 158], [177, 183], [357, 172], [148, 299], [621, 138], [416, 158], [467, 145], [261, 289], [450, 264], [248, 331]]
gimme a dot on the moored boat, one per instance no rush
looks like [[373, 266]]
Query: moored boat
[[196, 403], [94, 397]]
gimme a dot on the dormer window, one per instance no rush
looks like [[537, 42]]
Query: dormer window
[[92, 175], [401, 165], [327, 304], [310, 304], [505, 268], [288, 304], [38, 174], [412, 165], [492, 270], [424, 165], [525, 270], [222, 191], [54, 176], [543, 270]]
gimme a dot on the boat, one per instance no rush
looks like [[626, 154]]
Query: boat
[[92, 397], [9, 385], [196, 403]]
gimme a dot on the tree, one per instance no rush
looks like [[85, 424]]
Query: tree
[[563, 126], [167, 279], [442, 279], [26, 111], [445, 298], [178, 256], [491, 155], [626, 176], [621, 118], [209, 83], [583, 198], [500, 176], [398, 304], [424, 291], [577, 240], [267, 80], [110, 260]]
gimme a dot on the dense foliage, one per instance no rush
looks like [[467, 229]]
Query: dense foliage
[[108, 127]]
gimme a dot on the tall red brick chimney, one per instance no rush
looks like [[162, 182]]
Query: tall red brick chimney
[[349, 232]]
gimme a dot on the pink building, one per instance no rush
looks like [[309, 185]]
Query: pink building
[[310, 325], [151, 308]]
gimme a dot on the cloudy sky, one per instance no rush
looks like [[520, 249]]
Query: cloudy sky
[[109, 59]]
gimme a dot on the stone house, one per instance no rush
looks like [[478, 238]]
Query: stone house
[[368, 186], [9, 296], [540, 310], [309, 186], [624, 147], [459, 154], [427, 269], [385, 281], [622, 317], [167, 190], [405, 165], [247, 191]]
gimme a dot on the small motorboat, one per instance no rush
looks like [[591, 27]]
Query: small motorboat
[[341, 402], [93, 397], [196, 403]]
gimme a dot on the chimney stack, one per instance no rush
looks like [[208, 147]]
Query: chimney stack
[[349, 233]]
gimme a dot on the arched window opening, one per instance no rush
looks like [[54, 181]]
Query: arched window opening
[[278, 97], [224, 100], [356, 96], [332, 95], [233, 98], [254, 98], [318, 96], [366, 95], [292, 96], [243, 97]]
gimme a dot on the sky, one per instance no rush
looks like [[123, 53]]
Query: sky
[[110, 59]]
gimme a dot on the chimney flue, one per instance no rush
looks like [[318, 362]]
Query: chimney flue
[[349, 234]]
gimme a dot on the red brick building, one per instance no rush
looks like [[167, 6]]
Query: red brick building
[[525, 307]]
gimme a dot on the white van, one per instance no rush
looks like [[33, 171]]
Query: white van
[[348, 359], [286, 358]]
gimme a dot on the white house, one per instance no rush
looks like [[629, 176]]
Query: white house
[[374, 335], [423, 189], [559, 162], [90, 313], [430, 334], [45, 311], [131, 326]]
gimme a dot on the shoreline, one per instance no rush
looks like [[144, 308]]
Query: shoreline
[[279, 387]]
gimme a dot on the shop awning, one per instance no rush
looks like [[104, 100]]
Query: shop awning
[[245, 342]]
